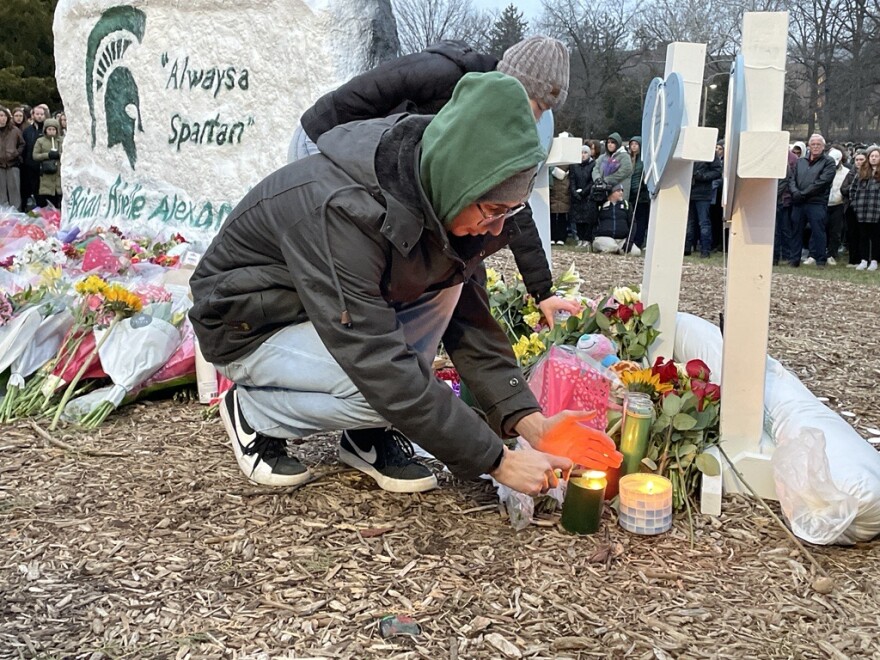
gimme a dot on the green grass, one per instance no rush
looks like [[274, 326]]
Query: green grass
[[838, 273]]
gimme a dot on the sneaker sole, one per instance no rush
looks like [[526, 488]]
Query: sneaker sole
[[262, 475], [390, 484]]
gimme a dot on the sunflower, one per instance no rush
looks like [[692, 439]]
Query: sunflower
[[119, 299], [644, 381]]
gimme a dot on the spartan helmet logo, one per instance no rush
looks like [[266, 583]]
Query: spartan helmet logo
[[108, 79]]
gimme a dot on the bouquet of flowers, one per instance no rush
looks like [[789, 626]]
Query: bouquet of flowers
[[155, 331], [686, 423]]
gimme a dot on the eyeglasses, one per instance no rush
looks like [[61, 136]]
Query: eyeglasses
[[495, 217]]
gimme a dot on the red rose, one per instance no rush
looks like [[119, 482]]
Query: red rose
[[667, 371], [697, 369], [624, 313], [638, 308], [713, 392], [698, 387]]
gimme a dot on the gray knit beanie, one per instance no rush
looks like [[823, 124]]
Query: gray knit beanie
[[541, 65], [516, 188]]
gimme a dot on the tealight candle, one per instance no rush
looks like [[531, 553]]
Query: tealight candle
[[584, 502], [645, 503]]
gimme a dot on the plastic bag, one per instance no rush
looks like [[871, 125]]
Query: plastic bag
[[521, 507], [816, 510], [562, 380]]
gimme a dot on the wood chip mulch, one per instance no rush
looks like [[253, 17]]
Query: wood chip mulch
[[165, 551]]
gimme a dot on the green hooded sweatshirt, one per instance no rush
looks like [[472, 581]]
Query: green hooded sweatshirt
[[484, 135]]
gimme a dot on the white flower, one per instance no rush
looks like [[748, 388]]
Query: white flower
[[625, 295]]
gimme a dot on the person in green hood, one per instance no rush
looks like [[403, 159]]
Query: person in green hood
[[329, 287]]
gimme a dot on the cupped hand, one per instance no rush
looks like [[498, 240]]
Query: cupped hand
[[529, 471]]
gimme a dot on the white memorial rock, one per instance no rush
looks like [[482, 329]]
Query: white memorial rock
[[177, 109]]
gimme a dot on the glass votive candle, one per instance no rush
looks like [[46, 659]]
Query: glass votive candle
[[638, 415], [645, 503], [584, 503]]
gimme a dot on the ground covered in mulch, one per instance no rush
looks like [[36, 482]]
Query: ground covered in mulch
[[160, 549]]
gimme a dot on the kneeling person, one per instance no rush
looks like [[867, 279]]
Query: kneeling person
[[613, 224], [326, 293]]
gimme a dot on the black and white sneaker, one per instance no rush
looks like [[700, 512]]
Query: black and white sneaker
[[387, 456], [263, 459]]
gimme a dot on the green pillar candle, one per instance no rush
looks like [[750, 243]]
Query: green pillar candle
[[638, 415], [584, 502]]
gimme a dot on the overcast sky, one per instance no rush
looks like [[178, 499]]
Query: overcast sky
[[531, 9]]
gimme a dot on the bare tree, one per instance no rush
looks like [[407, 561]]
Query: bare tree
[[600, 37], [422, 23]]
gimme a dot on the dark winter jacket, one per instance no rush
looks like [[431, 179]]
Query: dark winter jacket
[[811, 181], [613, 220], [31, 134], [11, 144], [358, 213], [420, 83], [615, 167], [581, 176], [704, 175], [783, 194]]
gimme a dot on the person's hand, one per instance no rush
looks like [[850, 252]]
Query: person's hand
[[797, 196], [54, 155], [529, 471], [565, 435], [549, 307]]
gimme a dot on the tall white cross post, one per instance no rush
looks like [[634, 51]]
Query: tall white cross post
[[667, 227], [756, 157]]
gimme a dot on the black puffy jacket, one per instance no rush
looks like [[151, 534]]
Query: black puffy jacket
[[614, 220], [810, 183], [420, 84]]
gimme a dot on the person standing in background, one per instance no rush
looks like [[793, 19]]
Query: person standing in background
[[47, 155], [865, 199], [11, 149], [837, 201], [30, 173], [852, 225], [639, 198], [810, 187], [583, 208]]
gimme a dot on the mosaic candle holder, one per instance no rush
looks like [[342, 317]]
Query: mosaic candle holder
[[584, 502], [638, 415], [645, 503]]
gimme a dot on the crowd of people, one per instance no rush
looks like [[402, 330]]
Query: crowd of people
[[31, 141], [826, 205]]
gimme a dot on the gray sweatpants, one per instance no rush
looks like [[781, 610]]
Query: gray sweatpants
[[10, 187], [291, 386]]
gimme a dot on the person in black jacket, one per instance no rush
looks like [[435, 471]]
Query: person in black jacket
[[810, 187], [699, 223], [583, 209], [422, 83], [613, 222], [30, 173]]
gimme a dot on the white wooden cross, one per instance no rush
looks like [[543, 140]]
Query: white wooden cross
[[756, 157], [562, 151], [672, 142]]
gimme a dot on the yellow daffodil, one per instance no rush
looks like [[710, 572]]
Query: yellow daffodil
[[644, 381], [532, 319], [491, 278]]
